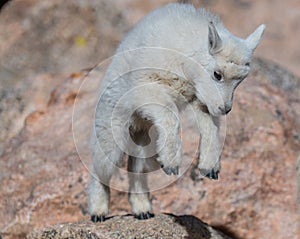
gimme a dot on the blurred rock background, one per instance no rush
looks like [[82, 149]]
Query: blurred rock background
[[45, 47]]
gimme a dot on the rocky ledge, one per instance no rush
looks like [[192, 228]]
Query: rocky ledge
[[161, 226]]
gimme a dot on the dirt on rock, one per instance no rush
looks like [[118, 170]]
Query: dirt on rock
[[161, 226]]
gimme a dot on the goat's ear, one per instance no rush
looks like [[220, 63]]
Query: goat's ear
[[214, 40], [253, 39]]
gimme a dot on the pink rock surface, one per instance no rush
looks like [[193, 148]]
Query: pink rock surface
[[43, 177]]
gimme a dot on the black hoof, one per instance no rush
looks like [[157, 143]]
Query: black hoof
[[171, 170], [96, 218], [144, 215], [212, 174]]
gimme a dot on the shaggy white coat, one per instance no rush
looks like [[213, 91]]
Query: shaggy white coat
[[176, 56]]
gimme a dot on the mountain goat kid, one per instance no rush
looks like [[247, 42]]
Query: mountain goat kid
[[175, 56]]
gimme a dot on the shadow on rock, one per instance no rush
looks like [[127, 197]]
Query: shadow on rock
[[198, 229]]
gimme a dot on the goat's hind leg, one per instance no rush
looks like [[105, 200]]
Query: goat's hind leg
[[138, 188], [99, 194], [105, 158]]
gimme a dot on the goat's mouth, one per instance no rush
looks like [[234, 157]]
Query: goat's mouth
[[204, 108]]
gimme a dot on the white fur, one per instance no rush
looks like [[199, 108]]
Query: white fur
[[167, 61]]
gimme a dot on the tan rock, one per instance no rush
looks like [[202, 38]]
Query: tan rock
[[43, 177], [161, 226], [44, 181]]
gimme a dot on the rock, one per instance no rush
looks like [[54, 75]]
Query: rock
[[298, 179], [44, 177], [17, 102], [161, 226], [29, 72], [76, 34]]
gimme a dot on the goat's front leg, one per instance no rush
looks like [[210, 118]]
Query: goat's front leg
[[169, 149], [210, 148]]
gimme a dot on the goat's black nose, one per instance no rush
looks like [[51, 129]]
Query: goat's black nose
[[227, 109]]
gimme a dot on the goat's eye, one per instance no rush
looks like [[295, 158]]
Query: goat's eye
[[218, 76], [247, 64]]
